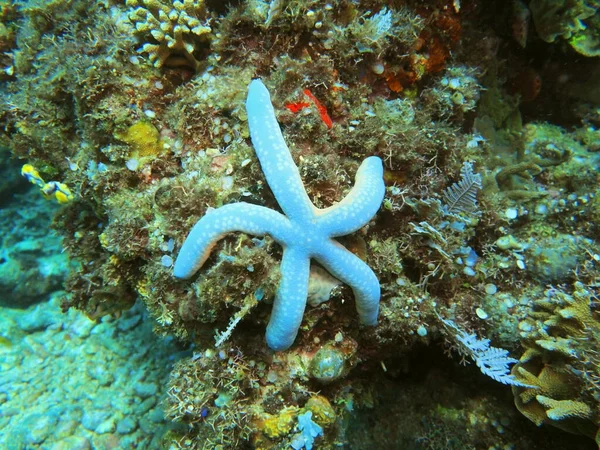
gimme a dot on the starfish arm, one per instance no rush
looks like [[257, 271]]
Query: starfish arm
[[275, 159], [290, 299], [361, 203], [213, 226], [351, 270]]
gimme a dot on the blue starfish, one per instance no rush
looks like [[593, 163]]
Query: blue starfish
[[304, 231]]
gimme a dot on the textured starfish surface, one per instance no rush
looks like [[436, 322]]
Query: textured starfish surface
[[304, 231]]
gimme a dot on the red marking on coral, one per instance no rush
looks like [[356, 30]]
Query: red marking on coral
[[393, 80], [297, 106], [437, 52], [449, 24], [322, 110]]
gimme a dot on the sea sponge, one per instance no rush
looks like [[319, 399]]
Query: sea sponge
[[280, 424], [144, 140]]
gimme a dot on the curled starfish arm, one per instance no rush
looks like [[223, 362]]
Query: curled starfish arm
[[361, 203], [290, 300], [245, 217], [351, 270], [274, 155]]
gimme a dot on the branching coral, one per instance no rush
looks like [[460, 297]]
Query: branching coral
[[178, 30]]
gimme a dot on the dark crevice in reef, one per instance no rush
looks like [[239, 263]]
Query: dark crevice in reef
[[426, 400]]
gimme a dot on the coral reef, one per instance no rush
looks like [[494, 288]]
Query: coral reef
[[304, 232], [560, 363], [488, 137]]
